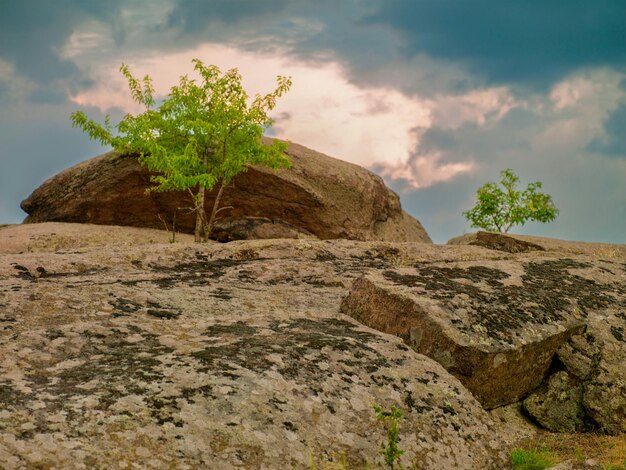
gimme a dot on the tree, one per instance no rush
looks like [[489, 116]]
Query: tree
[[498, 210], [203, 134]]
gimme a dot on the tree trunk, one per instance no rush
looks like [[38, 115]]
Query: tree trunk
[[199, 233], [216, 205]]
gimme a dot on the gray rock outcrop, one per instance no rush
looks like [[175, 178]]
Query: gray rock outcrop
[[213, 356], [118, 351], [499, 326]]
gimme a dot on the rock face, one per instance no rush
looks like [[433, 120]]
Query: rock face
[[214, 356], [557, 404], [118, 351], [499, 327], [492, 336], [319, 196]]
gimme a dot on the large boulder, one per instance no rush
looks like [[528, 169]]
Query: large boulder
[[319, 197]]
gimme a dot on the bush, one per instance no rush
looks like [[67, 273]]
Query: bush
[[499, 210]]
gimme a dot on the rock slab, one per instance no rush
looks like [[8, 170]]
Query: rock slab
[[497, 326]]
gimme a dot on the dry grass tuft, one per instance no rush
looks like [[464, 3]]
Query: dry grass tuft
[[606, 450]]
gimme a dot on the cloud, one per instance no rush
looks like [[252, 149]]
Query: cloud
[[613, 143], [33, 32], [541, 142], [12, 87], [429, 162], [190, 17], [422, 171], [478, 106], [323, 110], [438, 95], [529, 44]]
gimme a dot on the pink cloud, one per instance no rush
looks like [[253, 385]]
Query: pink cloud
[[421, 171], [372, 126]]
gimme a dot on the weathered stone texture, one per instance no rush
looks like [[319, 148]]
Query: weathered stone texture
[[497, 325], [215, 356], [116, 350], [557, 404]]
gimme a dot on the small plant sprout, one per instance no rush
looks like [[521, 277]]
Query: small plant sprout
[[391, 450]]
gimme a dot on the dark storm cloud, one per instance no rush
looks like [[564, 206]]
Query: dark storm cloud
[[613, 144], [302, 28], [32, 34], [194, 16], [320, 31], [437, 139], [471, 140], [529, 43]]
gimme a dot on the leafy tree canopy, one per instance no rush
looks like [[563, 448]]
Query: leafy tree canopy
[[203, 134], [500, 208]]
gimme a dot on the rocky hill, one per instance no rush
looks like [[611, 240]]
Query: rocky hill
[[119, 350]]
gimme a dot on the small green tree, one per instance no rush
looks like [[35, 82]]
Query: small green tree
[[499, 209], [203, 134]]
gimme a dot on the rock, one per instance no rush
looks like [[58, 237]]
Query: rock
[[581, 355], [118, 349], [256, 228], [594, 363], [319, 195], [513, 426], [59, 237], [215, 356], [496, 241], [597, 359], [588, 464], [564, 248], [468, 321], [557, 405], [494, 325]]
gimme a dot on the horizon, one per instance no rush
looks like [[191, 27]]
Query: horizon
[[435, 97]]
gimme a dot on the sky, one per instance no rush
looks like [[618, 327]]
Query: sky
[[435, 96]]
